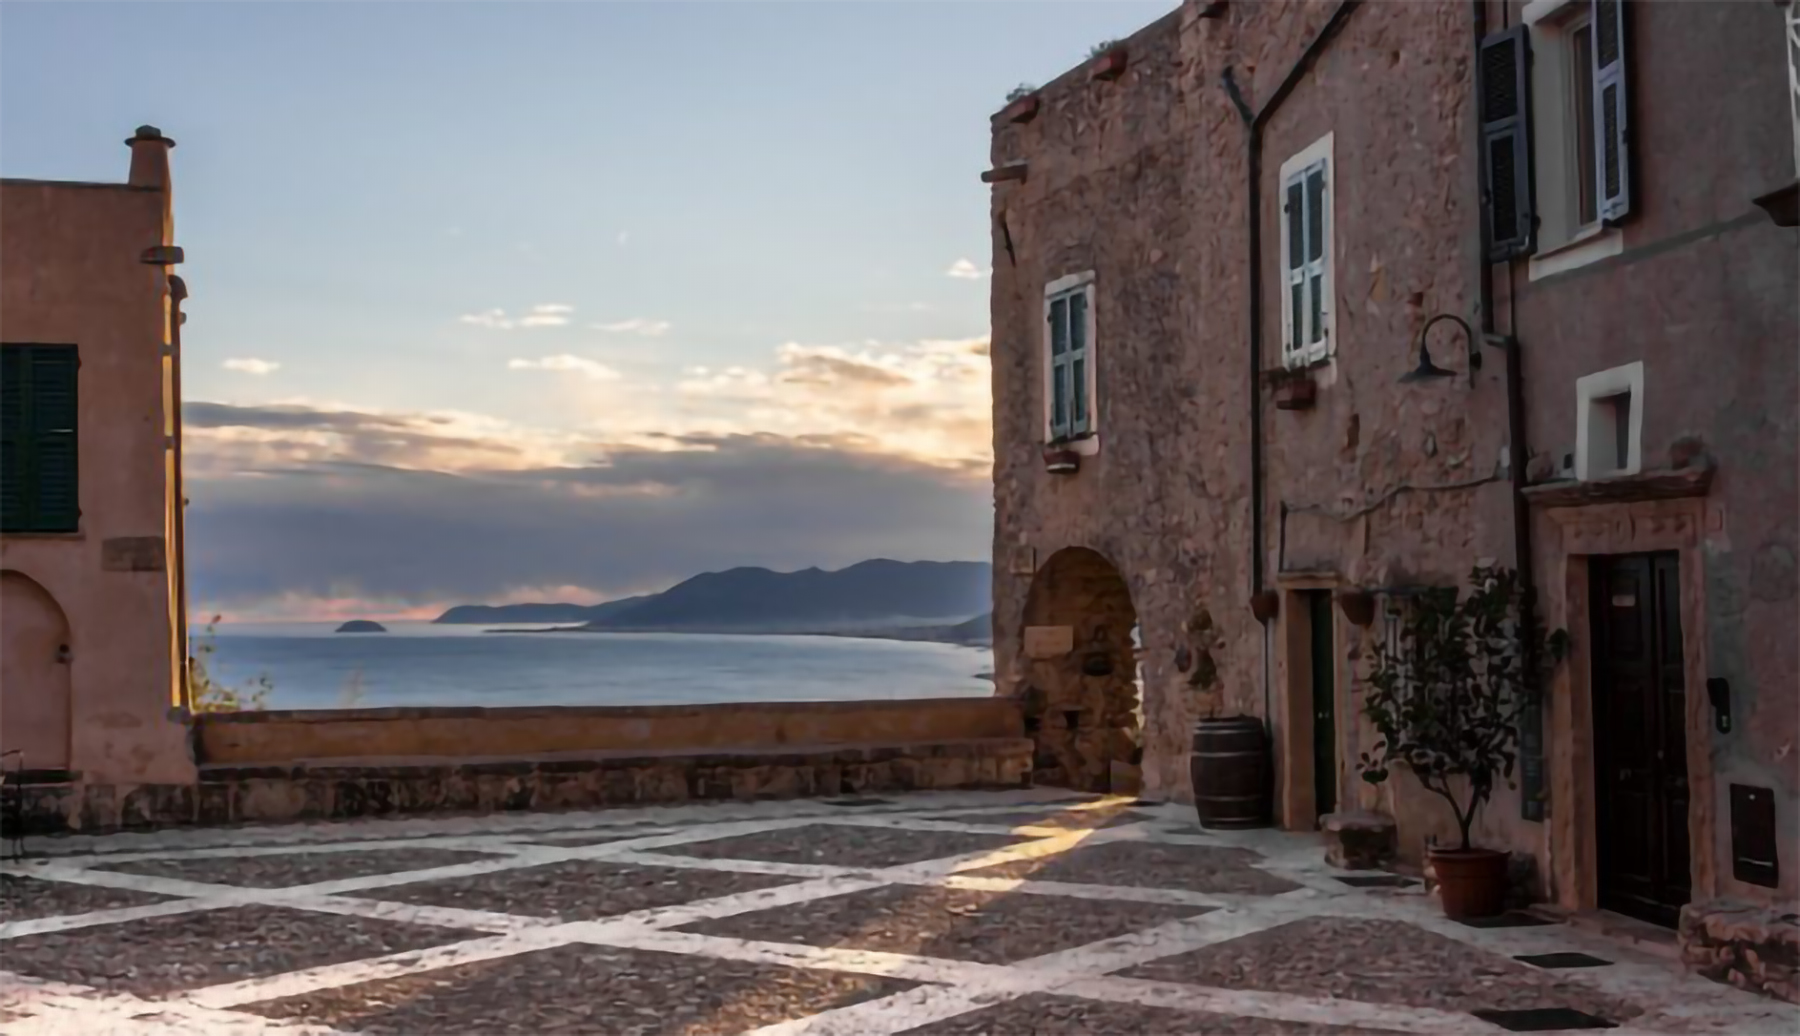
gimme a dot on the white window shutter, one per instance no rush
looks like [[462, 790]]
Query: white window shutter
[[1612, 151]]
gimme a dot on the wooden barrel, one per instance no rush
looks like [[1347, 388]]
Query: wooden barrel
[[1230, 768]]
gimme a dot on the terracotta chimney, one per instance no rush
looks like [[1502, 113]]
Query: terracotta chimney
[[150, 158]]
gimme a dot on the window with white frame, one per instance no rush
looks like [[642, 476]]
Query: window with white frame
[[1554, 133], [1069, 357], [1306, 255]]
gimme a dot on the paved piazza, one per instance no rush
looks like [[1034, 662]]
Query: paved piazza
[[966, 913]]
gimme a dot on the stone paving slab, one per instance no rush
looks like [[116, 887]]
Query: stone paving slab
[[577, 890], [1043, 1014], [287, 870], [585, 990], [829, 947], [158, 955], [1190, 868], [988, 927], [25, 898], [844, 846], [1379, 961]]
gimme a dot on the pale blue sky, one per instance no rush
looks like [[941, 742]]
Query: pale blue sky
[[351, 178]]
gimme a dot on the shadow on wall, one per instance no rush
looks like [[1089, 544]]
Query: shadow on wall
[[35, 692], [1082, 696]]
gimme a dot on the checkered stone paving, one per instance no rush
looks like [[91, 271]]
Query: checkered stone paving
[[937, 913]]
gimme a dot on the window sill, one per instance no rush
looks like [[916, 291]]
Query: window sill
[[1087, 446], [1588, 246]]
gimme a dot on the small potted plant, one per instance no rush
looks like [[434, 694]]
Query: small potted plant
[[1060, 457], [1294, 387], [1445, 702]]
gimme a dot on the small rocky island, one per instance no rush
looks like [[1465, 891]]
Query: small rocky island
[[361, 626]]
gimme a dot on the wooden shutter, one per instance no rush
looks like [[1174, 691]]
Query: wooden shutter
[[1080, 406], [1504, 90], [1612, 153], [15, 439], [1058, 316], [55, 372]]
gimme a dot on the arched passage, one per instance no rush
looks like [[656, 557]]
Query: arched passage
[[1081, 692], [34, 674]]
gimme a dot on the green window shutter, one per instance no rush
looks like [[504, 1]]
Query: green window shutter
[[55, 376], [15, 439], [39, 485], [1504, 89]]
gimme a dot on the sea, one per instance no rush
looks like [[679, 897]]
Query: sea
[[310, 666]]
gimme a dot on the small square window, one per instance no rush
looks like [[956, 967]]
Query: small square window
[[1609, 423]]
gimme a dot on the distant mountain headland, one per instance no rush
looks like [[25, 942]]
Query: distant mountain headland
[[916, 600], [361, 626]]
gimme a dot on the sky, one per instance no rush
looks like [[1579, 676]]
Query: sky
[[527, 301]]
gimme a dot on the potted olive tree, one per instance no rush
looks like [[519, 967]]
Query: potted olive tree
[[1445, 701]]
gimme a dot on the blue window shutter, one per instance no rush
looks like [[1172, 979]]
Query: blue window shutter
[[1504, 91], [1612, 151]]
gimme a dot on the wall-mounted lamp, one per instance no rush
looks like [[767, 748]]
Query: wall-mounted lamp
[[1428, 371]]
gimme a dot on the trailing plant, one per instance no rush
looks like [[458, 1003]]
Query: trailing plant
[[1101, 48], [209, 693], [1445, 699], [1020, 91]]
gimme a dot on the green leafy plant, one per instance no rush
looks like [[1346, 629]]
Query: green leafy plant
[[1021, 91], [1100, 49], [211, 694], [1446, 698]]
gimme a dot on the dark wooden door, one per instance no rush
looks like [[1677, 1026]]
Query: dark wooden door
[[1324, 702], [1640, 740]]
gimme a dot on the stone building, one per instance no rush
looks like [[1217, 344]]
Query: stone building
[[1258, 339], [91, 599]]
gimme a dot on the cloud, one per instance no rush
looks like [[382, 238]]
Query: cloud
[[295, 504], [624, 236], [548, 314], [635, 326], [249, 365], [565, 362], [926, 400], [963, 269]]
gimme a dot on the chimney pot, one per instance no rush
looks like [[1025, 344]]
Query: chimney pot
[[149, 158]]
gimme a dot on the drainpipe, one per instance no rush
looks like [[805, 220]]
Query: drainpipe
[[1531, 722], [177, 295], [1254, 123]]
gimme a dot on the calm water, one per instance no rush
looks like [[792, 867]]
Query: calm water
[[423, 664]]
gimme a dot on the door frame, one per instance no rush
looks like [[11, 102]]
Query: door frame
[[1296, 802], [1643, 527]]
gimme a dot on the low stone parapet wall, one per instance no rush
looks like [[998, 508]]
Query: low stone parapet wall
[[293, 736], [349, 788]]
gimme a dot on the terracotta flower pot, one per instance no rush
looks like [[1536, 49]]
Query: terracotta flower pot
[[1061, 461], [1357, 605], [1471, 882], [1264, 605], [1298, 393], [1111, 65]]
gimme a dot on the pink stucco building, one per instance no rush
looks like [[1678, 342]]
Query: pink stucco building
[[92, 611]]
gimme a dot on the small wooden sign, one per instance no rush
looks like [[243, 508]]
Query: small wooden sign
[[1049, 641]]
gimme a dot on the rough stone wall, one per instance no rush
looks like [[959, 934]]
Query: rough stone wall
[[1143, 181], [1704, 295], [1080, 697], [344, 789]]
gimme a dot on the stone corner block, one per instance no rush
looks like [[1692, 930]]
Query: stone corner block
[[1359, 840]]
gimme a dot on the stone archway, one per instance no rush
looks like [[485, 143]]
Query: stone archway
[[35, 697], [1081, 692]]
